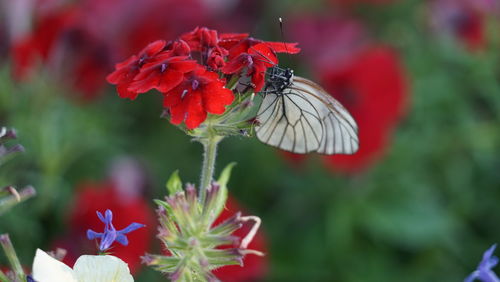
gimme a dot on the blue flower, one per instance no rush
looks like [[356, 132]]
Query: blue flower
[[484, 272], [110, 234]]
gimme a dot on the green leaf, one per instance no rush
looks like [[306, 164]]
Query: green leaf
[[224, 176], [222, 196], [174, 183]]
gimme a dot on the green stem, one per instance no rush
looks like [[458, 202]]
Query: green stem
[[8, 248], [207, 171]]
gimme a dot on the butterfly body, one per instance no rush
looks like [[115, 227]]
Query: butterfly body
[[299, 116]]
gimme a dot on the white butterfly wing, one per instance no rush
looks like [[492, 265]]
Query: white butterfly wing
[[304, 118], [289, 122], [340, 132]]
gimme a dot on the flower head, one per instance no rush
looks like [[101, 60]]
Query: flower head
[[194, 88], [110, 234], [484, 272]]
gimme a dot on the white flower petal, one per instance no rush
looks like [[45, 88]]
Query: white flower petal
[[102, 269], [48, 269]]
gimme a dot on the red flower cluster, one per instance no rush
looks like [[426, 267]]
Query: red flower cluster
[[192, 89], [464, 20]]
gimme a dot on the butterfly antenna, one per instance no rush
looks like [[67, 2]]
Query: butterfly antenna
[[282, 34]]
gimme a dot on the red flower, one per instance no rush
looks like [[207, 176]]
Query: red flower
[[329, 42], [255, 267], [40, 43], [464, 20], [179, 47], [200, 92], [255, 62], [471, 30], [201, 38], [126, 71], [373, 88], [216, 58], [163, 73]]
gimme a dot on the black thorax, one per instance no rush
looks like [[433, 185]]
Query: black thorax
[[279, 79]]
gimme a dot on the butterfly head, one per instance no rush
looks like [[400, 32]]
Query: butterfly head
[[279, 79]]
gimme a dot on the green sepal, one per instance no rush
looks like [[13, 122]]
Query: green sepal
[[174, 183]]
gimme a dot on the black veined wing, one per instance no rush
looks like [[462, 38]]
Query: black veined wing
[[298, 116]]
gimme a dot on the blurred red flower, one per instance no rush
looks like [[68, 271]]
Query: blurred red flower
[[39, 44], [92, 197], [255, 267], [329, 42], [122, 194], [462, 19], [374, 90], [201, 92], [367, 79], [69, 42]]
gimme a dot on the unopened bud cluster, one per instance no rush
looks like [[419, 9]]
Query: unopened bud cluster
[[195, 246]]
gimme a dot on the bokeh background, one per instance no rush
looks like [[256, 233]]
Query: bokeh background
[[418, 202]]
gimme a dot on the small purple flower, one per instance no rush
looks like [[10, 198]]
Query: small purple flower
[[110, 234], [484, 272]]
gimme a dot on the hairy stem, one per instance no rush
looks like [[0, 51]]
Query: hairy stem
[[207, 171]]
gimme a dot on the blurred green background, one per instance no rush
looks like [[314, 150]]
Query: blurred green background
[[424, 210]]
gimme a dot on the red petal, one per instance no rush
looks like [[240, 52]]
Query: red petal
[[154, 48], [216, 97], [229, 40], [242, 46], [169, 80], [233, 36], [178, 112], [173, 97], [115, 77], [236, 65], [282, 47], [123, 91], [126, 63], [195, 112], [258, 79], [161, 58], [183, 66], [264, 53]]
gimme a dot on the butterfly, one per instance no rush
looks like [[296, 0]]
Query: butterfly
[[299, 116]]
